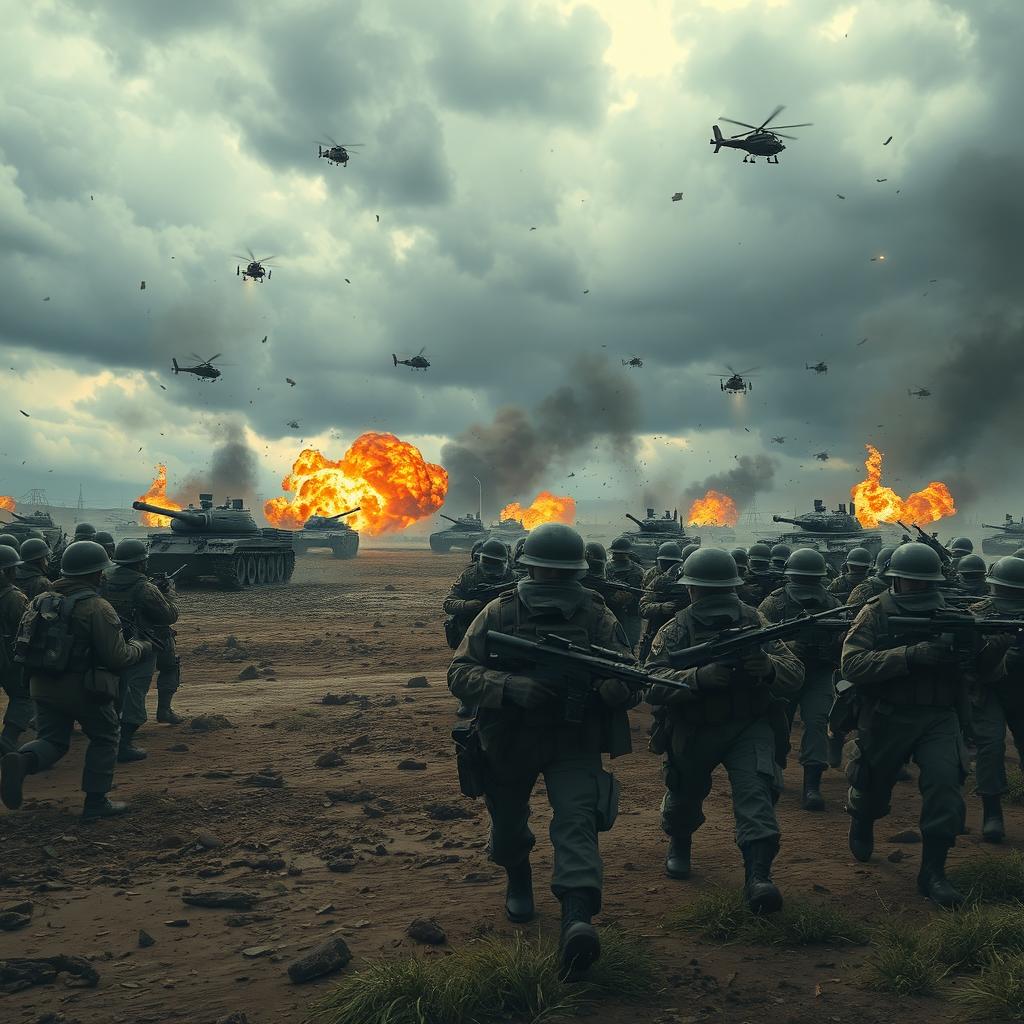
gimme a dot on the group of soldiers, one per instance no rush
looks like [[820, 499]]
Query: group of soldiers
[[909, 655], [80, 641]]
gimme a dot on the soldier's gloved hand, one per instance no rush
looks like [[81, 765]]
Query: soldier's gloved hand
[[614, 692], [474, 607], [757, 664], [715, 676], [526, 692], [928, 654]]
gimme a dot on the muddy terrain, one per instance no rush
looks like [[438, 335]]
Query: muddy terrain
[[341, 815]]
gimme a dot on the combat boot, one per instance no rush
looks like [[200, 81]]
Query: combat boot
[[126, 751], [836, 744], [760, 892], [164, 712], [862, 838], [677, 861], [579, 945], [812, 799], [519, 892], [13, 769], [992, 828], [931, 879], [97, 805]]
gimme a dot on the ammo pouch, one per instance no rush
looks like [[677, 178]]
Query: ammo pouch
[[844, 714], [45, 641], [470, 759], [100, 686]]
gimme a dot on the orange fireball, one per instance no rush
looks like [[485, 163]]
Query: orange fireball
[[7, 504], [876, 503], [390, 481], [546, 508], [714, 509], [157, 495]]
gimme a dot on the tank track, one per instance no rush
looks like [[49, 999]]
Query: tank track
[[225, 568]]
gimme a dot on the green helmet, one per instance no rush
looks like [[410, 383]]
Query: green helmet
[[554, 546], [971, 564], [669, 554], [710, 567], [36, 534], [129, 551], [915, 561], [102, 537], [9, 540], [1008, 572], [687, 551], [621, 544], [805, 562], [759, 554], [595, 552], [739, 556], [961, 546], [85, 531], [883, 556], [83, 558], [860, 557], [8, 558], [33, 549], [492, 549], [1019, 553], [779, 553]]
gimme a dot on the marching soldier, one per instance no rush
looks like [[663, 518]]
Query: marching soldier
[[106, 541], [779, 556], [8, 540], [31, 577], [876, 583], [596, 579], [624, 569], [664, 595], [85, 531], [855, 572], [959, 547], [971, 570], [761, 579], [524, 733], [20, 710]]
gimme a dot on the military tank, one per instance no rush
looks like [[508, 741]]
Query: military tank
[[652, 532], [833, 534], [1009, 538], [327, 532], [22, 527], [223, 544], [460, 536]]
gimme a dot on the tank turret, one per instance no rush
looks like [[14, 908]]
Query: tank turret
[[832, 533], [330, 522], [460, 536], [23, 526], [652, 531], [328, 532], [821, 520], [1009, 538], [231, 517]]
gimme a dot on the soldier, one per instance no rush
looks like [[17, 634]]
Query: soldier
[[470, 593], [20, 711], [739, 556], [523, 733], [664, 595], [971, 569], [959, 547], [779, 556], [85, 531], [910, 693], [142, 605], [517, 553], [84, 686], [760, 579], [999, 698], [804, 593], [737, 720], [106, 541], [624, 569], [874, 584], [10, 541], [855, 572], [31, 577], [596, 579]]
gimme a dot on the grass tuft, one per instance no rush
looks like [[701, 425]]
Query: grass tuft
[[997, 993], [491, 980], [991, 879], [903, 962], [968, 939], [721, 915], [1015, 782]]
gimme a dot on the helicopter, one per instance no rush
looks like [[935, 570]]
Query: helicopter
[[758, 141], [334, 153], [204, 368], [919, 393], [821, 456], [417, 362], [634, 361], [734, 384], [254, 268], [779, 440], [294, 424], [821, 367]]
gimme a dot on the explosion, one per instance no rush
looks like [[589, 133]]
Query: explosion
[[157, 495], [714, 509], [546, 508], [877, 504], [7, 504], [386, 477]]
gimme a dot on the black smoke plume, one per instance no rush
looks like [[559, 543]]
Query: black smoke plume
[[752, 473], [232, 472]]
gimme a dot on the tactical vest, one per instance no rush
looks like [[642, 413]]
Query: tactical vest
[[123, 596], [814, 647], [46, 642]]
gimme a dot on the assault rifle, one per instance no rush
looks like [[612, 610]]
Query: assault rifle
[[573, 668], [926, 538], [487, 592], [961, 634], [163, 580], [133, 631]]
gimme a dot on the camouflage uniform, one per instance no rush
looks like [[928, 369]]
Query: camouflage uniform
[[843, 586], [863, 592], [20, 709], [32, 581], [632, 575], [657, 607], [460, 602], [519, 743], [757, 585]]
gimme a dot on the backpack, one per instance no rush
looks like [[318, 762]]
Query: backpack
[[45, 641]]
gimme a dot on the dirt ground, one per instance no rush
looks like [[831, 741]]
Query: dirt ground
[[360, 630]]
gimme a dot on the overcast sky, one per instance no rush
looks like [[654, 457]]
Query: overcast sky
[[154, 140]]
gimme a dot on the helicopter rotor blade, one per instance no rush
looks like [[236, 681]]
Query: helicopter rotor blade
[[743, 373], [211, 359], [771, 117], [742, 135], [729, 120], [806, 124], [349, 145], [330, 140], [266, 259], [251, 257], [783, 135], [197, 358]]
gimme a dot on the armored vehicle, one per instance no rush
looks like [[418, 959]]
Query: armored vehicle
[[1009, 538], [327, 532], [22, 527], [833, 534], [652, 532], [222, 543], [460, 536]]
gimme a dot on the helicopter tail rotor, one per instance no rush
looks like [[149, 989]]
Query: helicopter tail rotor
[[395, 358], [718, 139], [175, 364]]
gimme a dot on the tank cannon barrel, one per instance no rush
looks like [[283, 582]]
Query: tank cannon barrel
[[629, 515], [197, 519], [449, 518], [21, 518], [985, 526], [338, 515], [786, 519]]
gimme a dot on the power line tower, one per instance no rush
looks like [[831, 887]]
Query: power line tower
[[80, 506], [37, 496], [752, 517]]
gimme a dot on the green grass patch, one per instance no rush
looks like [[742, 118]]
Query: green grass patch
[[721, 915], [991, 878], [1015, 782], [997, 993], [973, 936], [903, 962], [493, 979]]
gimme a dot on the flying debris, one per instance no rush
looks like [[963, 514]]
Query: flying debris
[[862, 340], [347, 281], [779, 440], [838, 196], [46, 298], [378, 218], [533, 229], [264, 340], [586, 291], [572, 475], [334, 153], [676, 196], [162, 388], [879, 259], [142, 286], [634, 361], [757, 141], [23, 413], [821, 456], [204, 368], [880, 180], [821, 367], [254, 269], [887, 141], [417, 362], [294, 424], [288, 380], [919, 393]]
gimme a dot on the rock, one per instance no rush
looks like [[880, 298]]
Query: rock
[[372, 812], [350, 796], [179, 748], [253, 952], [359, 742], [243, 920], [328, 957], [233, 1018], [22, 907], [260, 863], [907, 836], [207, 840], [328, 908], [249, 672], [178, 922], [145, 939], [409, 765], [218, 773], [210, 723], [895, 857], [341, 866], [378, 624], [448, 812], [329, 759], [264, 780], [417, 683], [231, 641], [10, 922], [231, 899], [387, 702], [419, 625], [334, 699], [389, 588], [18, 973], [426, 930]]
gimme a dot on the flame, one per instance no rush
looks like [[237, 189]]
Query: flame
[[388, 478], [714, 509], [546, 508], [157, 495], [7, 504], [878, 504]]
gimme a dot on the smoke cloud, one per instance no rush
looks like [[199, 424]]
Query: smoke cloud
[[752, 473], [232, 471]]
